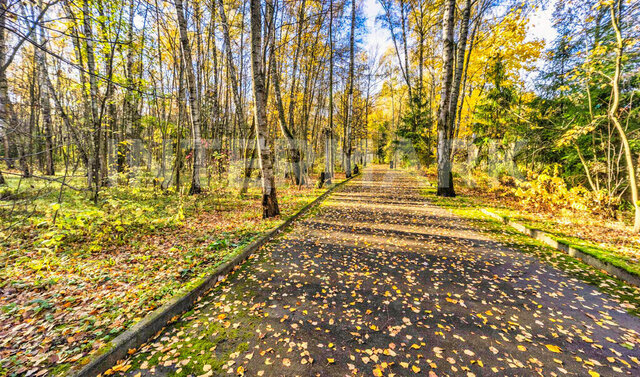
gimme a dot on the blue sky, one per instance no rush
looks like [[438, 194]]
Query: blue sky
[[540, 26]]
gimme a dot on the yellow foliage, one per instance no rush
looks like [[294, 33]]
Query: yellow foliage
[[549, 193]]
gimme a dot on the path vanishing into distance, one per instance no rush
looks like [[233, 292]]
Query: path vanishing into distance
[[379, 282]]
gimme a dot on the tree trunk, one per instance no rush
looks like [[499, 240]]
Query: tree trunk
[[235, 91], [5, 105], [45, 100], [235, 86], [129, 108], [445, 176], [349, 114], [96, 128], [457, 79], [287, 127], [328, 156], [613, 116], [269, 198], [193, 99]]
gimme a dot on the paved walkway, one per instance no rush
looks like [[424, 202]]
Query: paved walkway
[[381, 283]]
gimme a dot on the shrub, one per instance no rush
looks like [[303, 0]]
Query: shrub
[[549, 193]]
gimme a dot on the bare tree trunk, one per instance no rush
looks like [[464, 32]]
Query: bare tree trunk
[[287, 127], [457, 79], [613, 117], [181, 117], [445, 176], [96, 128], [586, 168], [328, 153], [5, 105], [193, 99], [269, 198], [349, 113], [44, 99], [235, 91], [129, 107]]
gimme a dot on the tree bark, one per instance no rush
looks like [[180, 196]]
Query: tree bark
[[237, 100], [45, 99], [287, 126], [457, 79], [6, 119], [445, 176], [129, 107], [194, 104], [328, 156], [96, 127], [349, 114], [269, 198], [613, 117]]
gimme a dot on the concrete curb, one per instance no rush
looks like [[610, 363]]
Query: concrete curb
[[560, 245], [158, 319]]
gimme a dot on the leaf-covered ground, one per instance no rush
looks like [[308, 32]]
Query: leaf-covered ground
[[380, 281], [67, 289]]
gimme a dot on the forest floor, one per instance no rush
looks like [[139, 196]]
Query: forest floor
[[67, 288], [607, 239], [385, 279]]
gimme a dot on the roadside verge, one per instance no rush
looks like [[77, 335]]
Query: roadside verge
[[147, 327], [567, 248]]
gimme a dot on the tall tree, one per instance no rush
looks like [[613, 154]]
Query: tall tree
[[328, 150], [194, 103], [287, 127], [459, 66], [614, 109], [445, 176], [269, 198], [45, 103], [94, 120], [349, 112], [5, 104]]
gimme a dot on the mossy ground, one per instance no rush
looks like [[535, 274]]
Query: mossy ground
[[205, 338]]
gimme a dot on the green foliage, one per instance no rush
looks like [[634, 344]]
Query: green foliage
[[122, 211], [493, 119], [416, 126]]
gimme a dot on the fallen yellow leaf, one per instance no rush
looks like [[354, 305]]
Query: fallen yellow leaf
[[553, 348]]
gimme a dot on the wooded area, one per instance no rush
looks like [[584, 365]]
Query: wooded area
[[186, 91], [119, 116]]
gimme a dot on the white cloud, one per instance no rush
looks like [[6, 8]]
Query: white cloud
[[541, 24], [378, 37]]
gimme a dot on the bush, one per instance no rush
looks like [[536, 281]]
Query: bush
[[549, 193]]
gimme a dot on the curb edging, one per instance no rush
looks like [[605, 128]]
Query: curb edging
[[155, 321], [564, 247]]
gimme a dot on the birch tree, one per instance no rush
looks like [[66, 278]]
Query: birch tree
[[269, 198], [194, 104], [445, 176]]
